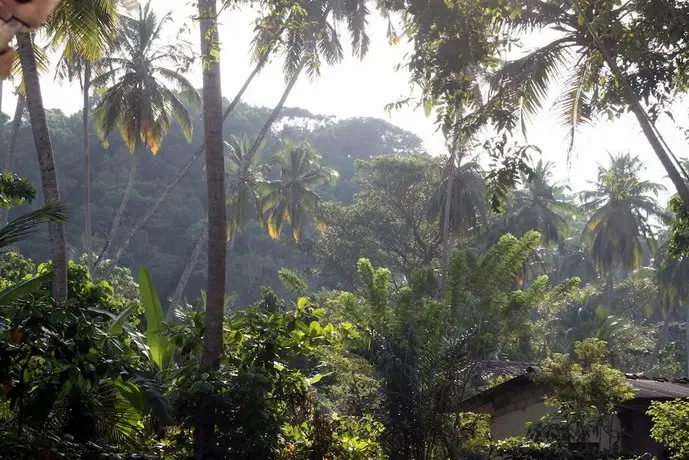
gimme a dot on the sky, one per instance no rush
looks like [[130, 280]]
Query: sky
[[362, 88]]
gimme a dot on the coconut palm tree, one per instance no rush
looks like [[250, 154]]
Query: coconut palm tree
[[244, 174], [79, 55], [459, 204], [292, 198], [618, 226], [140, 104], [671, 274], [89, 19], [273, 30], [15, 191], [217, 231], [313, 38], [46, 162], [587, 60], [269, 32], [540, 206]]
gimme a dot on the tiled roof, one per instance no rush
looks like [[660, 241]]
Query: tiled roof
[[647, 387], [501, 368], [659, 387]]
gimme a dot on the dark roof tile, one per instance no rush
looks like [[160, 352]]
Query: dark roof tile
[[659, 387]]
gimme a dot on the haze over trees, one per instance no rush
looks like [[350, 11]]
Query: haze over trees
[[328, 288]]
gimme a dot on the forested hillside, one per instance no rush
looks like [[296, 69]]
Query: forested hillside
[[165, 244], [186, 276]]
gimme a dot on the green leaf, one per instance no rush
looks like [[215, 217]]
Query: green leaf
[[30, 286], [138, 340], [316, 378], [427, 106], [157, 401], [160, 346], [315, 328], [118, 321]]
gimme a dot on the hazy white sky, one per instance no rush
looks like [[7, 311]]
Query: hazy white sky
[[362, 88]]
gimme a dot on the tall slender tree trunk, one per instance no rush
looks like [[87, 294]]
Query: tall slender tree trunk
[[87, 174], [184, 279], [672, 171], [123, 206], [12, 148], [215, 179], [641, 116], [46, 162], [664, 330], [686, 326], [186, 274], [182, 172], [446, 229], [610, 289], [276, 111], [204, 442]]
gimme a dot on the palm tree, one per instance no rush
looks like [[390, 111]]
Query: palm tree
[[594, 74], [618, 226], [274, 29], [140, 104], [269, 32], [311, 39], [19, 109], [79, 53], [292, 198], [244, 174], [46, 162], [90, 19], [539, 206], [459, 204], [217, 231], [672, 274]]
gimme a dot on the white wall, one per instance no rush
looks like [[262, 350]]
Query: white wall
[[513, 423]]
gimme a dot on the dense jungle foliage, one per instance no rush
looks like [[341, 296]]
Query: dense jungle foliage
[[165, 244], [322, 288]]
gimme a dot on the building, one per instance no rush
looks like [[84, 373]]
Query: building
[[519, 400]]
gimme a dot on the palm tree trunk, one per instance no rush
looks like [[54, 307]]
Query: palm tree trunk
[[14, 136], [215, 179], [46, 162], [610, 289], [182, 172], [186, 274], [672, 171], [87, 178], [664, 330], [120, 211], [276, 111], [204, 443], [641, 116], [446, 231], [686, 326]]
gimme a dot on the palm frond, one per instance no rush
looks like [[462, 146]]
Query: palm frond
[[21, 227], [139, 104], [573, 107], [528, 78], [87, 27]]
